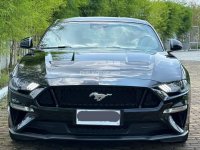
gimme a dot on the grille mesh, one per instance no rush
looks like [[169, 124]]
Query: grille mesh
[[122, 97]]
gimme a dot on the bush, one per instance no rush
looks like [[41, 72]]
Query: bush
[[4, 77]]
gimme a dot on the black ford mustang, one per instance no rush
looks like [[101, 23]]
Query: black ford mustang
[[99, 78]]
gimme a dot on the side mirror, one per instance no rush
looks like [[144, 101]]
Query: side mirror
[[175, 45], [26, 43]]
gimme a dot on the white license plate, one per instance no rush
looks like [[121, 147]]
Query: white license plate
[[98, 117]]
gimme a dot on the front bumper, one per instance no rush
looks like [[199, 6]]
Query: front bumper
[[162, 138], [137, 124]]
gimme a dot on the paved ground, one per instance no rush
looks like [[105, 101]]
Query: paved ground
[[185, 55], [193, 142]]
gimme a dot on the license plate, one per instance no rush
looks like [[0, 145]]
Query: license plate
[[98, 117]]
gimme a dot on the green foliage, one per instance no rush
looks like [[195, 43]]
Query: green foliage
[[168, 18], [185, 21], [179, 19], [21, 18], [158, 16], [4, 78], [196, 15]]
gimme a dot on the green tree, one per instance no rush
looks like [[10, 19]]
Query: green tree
[[168, 18], [158, 17], [23, 18], [185, 21]]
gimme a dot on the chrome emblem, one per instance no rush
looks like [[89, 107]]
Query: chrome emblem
[[98, 97]]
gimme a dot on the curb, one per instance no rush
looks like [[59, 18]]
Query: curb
[[3, 92]]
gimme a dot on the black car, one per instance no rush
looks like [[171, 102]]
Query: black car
[[99, 78]]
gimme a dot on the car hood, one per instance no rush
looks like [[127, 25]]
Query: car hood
[[109, 68]]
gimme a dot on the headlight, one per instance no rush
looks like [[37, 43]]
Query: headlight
[[177, 86], [20, 84]]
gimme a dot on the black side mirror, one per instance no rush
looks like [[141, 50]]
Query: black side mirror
[[26, 43], [175, 45]]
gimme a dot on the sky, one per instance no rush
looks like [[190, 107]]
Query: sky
[[188, 1]]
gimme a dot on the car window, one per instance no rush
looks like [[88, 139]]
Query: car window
[[99, 34]]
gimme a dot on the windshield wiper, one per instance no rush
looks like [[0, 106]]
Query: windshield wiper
[[118, 47], [56, 47], [113, 47]]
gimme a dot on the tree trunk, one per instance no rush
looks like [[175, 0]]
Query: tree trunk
[[12, 48]]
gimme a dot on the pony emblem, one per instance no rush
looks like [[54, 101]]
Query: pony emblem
[[98, 97]]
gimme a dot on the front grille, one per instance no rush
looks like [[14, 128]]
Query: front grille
[[46, 99], [78, 97]]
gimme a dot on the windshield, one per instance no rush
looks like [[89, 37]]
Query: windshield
[[101, 34]]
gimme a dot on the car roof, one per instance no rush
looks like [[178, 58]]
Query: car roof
[[105, 19]]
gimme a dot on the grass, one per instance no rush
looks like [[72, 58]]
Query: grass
[[4, 77], [3, 104]]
